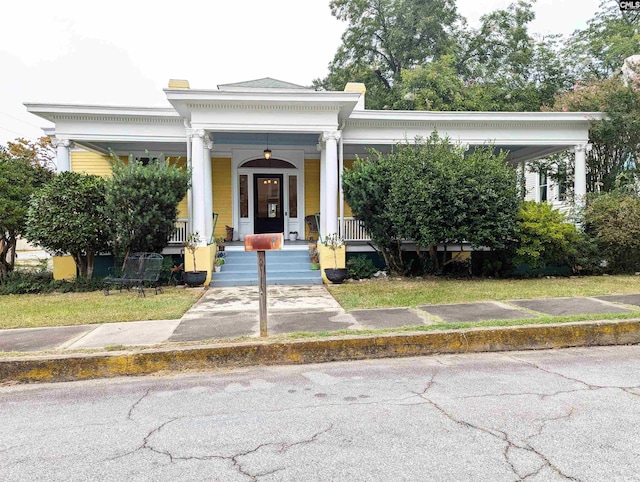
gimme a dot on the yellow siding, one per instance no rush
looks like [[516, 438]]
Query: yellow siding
[[222, 194], [311, 189], [91, 163], [348, 164], [183, 207]]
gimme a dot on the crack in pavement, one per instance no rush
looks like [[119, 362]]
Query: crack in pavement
[[145, 441], [542, 396], [133, 407], [566, 377], [498, 434], [282, 448]]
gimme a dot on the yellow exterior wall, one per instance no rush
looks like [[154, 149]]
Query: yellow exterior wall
[[348, 164], [327, 260], [64, 267], [311, 189], [91, 163], [222, 194], [205, 257]]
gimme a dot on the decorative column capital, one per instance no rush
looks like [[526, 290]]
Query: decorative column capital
[[208, 144], [583, 148], [191, 133], [331, 135], [55, 142]]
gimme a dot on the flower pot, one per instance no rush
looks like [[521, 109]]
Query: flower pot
[[194, 278], [217, 268], [315, 266], [229, 237], [336, 276], [293, 237]]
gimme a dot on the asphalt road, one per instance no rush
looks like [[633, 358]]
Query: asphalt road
[[548, 415]]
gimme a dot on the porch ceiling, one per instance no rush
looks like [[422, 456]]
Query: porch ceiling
[[136, 148], [517, 153]]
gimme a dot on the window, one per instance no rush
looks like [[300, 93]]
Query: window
[[293, 196], [244, 196], [543, 184]]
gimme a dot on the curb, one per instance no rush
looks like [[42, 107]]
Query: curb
[[60, 368]]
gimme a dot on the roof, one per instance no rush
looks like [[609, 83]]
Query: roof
[[264, 83]]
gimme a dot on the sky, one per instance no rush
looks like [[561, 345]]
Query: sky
[[123, 52]]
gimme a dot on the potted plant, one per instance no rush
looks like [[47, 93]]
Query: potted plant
[[195, 277], [313, 256], [218, 264], [336, 275], [219, 242], [293, 235]]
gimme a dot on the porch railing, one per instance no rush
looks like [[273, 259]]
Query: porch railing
[[354, 231], [180, 233]]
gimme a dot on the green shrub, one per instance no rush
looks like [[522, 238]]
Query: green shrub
[[544, 237], [613, 221], [361, 267], [20, 282], [27, 281]]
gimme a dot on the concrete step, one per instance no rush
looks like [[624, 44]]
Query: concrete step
[[283, 267]]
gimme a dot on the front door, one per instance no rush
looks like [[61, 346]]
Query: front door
[[267, 201]]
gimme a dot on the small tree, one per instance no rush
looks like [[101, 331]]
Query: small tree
[[366, 190], [439, 195], [142, 203], [64, 217], [21, 173], [613, 220], [544, 237]]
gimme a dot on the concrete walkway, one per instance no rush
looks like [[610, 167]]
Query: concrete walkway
[[224, 313]]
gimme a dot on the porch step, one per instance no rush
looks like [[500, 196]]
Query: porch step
[[283, 268]]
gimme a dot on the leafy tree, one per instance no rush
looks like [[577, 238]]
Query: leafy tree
[[613, 220], [440, 195], [21, 174], [142, 203], [384, 37], [544, 237], [366, 190], [615, 139], [432, 193], [39, 153], [65, 217], [599, 50]]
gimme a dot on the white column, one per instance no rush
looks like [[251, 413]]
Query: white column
[[208, 188], [522, 179], [331, 181], [580, 175], [197, 183], [340, 172], [190, 192], [323, 176], [63, 154]]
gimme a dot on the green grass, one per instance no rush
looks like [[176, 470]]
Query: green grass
[[64, 309], [411, 293]]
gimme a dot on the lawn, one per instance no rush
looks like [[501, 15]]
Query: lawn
[[411, 293], [57, 309]]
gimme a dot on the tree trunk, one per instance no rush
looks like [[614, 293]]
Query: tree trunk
[[433, 253], [90, 263]]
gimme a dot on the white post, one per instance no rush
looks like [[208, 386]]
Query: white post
[[190, 192], [208, 189], [323, 188], [331, 181], [580, 175], [63, 155], [197, 183], [340, 172]]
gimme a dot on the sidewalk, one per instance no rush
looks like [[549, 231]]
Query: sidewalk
[[224, 313]]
